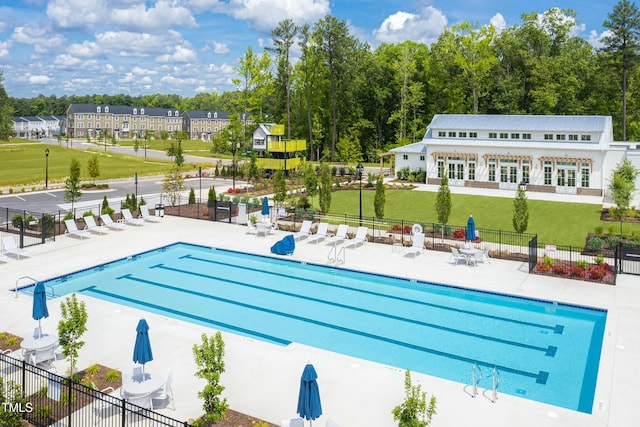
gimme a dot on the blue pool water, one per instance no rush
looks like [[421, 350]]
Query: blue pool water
[[542, 351]]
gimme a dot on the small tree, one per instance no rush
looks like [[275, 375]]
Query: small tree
[[279, 186], [443, 201], [93, 167], [211, 197], [311, 181], [11, 393], [380, 198], [414, 411], [324, 193], [209, 358], [106, 209], [622, 185], [192, 197], [72, 183], [71, 327], [173, 185], [520, 212]]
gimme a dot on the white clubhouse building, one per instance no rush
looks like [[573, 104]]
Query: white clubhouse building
[[555, 154]]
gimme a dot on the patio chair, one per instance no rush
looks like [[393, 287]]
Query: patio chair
[[3, 257], [43, 357], [359, 239], [141, 401], [476, 258], [340, 236], [304, 232], [146, 216], [485, 253], [456, 256], [417, 246], [320, 234], [251, 228], [11, 248], [106, 403], [73, 230], [262, 229], [129, 219], [165, 394], [93, 227], [108, 222], [292, 422]]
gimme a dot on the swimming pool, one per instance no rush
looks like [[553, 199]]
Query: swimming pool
[[542, 350]]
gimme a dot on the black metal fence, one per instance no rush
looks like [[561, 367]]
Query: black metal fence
[[28, 228], [44, 399], [627, 258]]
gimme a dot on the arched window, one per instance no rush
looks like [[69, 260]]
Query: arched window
[[209, 115], [142, 111], [106, 109], [135, 111], [215, 115], [98, 109]]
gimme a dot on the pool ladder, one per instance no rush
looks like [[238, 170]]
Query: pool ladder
[[476, 376], [33, 281], [336, 255]]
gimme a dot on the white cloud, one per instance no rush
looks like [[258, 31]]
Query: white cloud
[[77, 14], [264, 15], [109, 69], [85, 49], [220, 48], [179, 54], [423, 27], [161, 16], [67, 61], [41, 40], [595, 39], [498, 22], [4, 48], [39, 79]]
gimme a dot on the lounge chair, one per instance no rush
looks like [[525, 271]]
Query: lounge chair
[[417, 246], [251, 228], [108, 222], [129, 219], [359, 239], [73, 230], [340, 236], [3, 257], [145, 215], [93, 227], [262, 229], [320, 234], [485, 254], [10, 247], [165, 394], [304, 232]]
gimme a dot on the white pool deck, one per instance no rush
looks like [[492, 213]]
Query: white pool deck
[[262, 379]]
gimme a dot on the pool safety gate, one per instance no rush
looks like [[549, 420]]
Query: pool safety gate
[[627, 259]]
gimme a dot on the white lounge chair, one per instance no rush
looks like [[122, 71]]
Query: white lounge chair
[[93, 227], [340, 236], [73, 230], [145, 215], [417, 246], [11, 248], [359, 239], [262, 229], [485, 254], [165, 394], [304, 232], [320, 234], [3, 257], [129, 219], [108, 222]]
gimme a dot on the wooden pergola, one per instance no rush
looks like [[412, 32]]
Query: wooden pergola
[[382, 157]]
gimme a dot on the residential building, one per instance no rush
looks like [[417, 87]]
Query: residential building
[[274, 151], [38, 126], [202, 125]]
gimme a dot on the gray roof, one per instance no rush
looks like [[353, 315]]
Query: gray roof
[[121, 109], [416, 147], [520, 123], [202, 114]]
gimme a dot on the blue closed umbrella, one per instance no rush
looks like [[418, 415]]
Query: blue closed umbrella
[[309, 406], [265, 206], [471, 229], [39, 304], [142, 349]]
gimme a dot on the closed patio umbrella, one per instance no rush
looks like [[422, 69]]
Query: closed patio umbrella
[[471, 229], [265, 206], [39, 305], [309, 406], [142, 348]]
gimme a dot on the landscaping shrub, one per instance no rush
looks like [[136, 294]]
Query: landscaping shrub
[[560, 269], [598, 231], [612, 242], [459, 233], [578, 272], [543, 266], [595, 243]]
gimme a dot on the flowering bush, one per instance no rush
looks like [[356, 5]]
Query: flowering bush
[[397, 228], [598, 272], [561, 269], [578, 271], [459, 233], [543, 266]]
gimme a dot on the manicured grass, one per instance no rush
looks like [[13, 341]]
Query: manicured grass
[[554, 222], [197, 148], [23, 165]]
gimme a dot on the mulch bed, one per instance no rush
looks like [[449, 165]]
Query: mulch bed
[[9, 341]]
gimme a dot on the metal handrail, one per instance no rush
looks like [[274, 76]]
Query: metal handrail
[[26, 277]]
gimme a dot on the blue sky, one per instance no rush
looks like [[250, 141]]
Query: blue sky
[[136, 47]]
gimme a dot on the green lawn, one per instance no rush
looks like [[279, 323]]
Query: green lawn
[[23, 165], [197, 148], [554, 222]]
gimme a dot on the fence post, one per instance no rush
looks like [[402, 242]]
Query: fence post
[[124, 414], [70, 399], [44, 224], [22, 232]]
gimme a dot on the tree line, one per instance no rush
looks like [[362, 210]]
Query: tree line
[[351, 102]]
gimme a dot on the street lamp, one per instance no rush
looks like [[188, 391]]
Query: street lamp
[[146, 137], [234, 148], [46, 168], [360, 168], [200, 191]]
